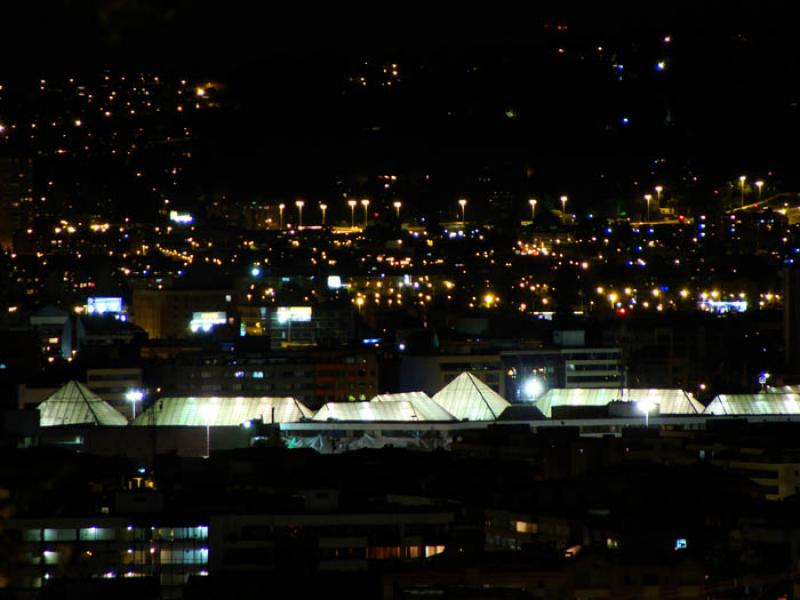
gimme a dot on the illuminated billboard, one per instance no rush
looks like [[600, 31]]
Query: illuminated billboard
[[203, 322], [294, 314], [100, 305]]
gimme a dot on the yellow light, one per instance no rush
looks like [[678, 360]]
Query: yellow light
[[489, 299], [656, 292], [200, 92], [684, 293]]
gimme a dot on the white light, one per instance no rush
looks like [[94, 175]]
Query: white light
[[532, 388], [134, 396]]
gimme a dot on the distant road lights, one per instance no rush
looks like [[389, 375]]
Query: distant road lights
[[532, 202], [365, 204], [352, 204], [647, 198], [134, 396], [742, 179], [532, 388], [281, 208], [463, 204], [397, 205], [323, 207], [759, 185], [299, 204]]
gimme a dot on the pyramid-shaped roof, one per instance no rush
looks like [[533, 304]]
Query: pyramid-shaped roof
[[468, 398], [75, 404], [424, 406], [222, 411]]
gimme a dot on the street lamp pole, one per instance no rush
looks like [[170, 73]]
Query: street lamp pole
[[463, 204], [299, 204], [397, 204], [352, 205], [658, 189], [759, 185], [742, 179], [281, 206], [365, 204], [564, 207], [647, 198], [323, 207], [532, 202]]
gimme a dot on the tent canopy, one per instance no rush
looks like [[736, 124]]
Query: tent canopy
[[754, 404], [663, 401], [424, 405], [222, 411]]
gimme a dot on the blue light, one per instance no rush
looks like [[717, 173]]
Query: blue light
[[625, 121], [255, 271], [661, 65]]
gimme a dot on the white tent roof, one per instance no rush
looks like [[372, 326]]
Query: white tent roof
[[664, 401], [75, 404], [468, 398], [368, 411], [754, 404], [424, 405], [221, 411]]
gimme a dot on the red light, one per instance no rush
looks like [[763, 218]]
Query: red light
[[621, 311]]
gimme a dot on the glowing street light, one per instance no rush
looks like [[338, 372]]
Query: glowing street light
[[532, 388], [564, 206], [759, 185], [299, 204], [532, 202], [463, 204], [365, 204], [323, 207], [134, 396], [352, 205], [207, 412], [281, 207], [659, 189], [647, 198], [646, 406], [742, 179], [397, 204]]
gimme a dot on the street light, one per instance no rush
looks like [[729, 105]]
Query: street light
[[281, 206], [207, 412], [463, 204], [532, 202], [299, 204], [365, 204], [742, 179], [397, 204], [532, 388], [759, 185], [659, 189], [647, 198], [323, 207], [134, 396], [564, 206], [645, 406], [352, 205]]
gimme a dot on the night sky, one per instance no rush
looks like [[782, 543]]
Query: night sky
[[485, 93]]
